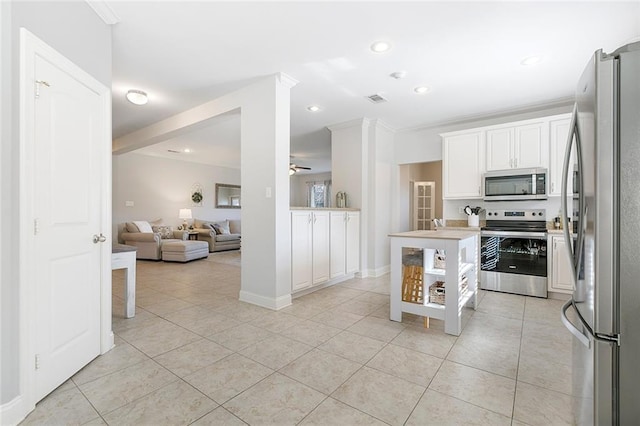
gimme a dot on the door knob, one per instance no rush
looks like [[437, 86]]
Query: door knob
[[99, 239]]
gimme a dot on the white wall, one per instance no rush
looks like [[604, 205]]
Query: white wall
[[298, 188], [382, 170], [159, 187], [74, 30], [349, 157]]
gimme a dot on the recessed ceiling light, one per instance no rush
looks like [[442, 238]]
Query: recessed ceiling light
[[313, 108], [398, 75], [421, 89], [137, 97], [380, 46], [187, 150], [531, 60]]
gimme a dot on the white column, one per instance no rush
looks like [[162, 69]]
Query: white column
[[266, 250]]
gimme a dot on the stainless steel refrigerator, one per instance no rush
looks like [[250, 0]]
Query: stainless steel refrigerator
[[601, 193]]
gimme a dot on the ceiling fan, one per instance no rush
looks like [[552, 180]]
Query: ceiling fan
[[293, 169]]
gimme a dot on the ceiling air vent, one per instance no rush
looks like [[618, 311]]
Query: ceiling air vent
[[173, 151], [376, 99]]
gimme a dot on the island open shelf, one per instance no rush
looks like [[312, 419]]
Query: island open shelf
[[461, 261]]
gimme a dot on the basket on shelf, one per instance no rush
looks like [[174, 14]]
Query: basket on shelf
[[437, 291], [439, 260]]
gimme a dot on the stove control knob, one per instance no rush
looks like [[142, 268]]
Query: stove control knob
[[540, 214], [533, 214], [489, 213]]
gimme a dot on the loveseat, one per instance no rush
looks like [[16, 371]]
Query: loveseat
[[149, 240], [221, 235]]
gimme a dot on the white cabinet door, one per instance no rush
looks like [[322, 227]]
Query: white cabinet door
[[301, 250], [499, 149], [320, 243], [517, 147], [338, 245], [561, 267], [353, 242], [530, 146], [559, 132], [463, 165]]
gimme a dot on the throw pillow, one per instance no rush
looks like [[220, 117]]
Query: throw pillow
[[132, 227], [143, 225], [164, 231], [222, 228], [210, 226]]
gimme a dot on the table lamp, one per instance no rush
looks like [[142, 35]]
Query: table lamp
[[184, 215]]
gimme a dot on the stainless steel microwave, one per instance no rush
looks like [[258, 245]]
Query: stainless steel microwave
[[515, 184]]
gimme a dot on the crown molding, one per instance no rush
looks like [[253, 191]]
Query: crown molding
[[494, 115], [286, 80], [358, 122], [104, 11]]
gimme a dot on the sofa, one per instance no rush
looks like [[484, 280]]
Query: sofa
[[148, 237], [220, 235]]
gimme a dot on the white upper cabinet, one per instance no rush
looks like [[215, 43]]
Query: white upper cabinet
[[463, 165], [559, 132], [516, 147], [499, 149]]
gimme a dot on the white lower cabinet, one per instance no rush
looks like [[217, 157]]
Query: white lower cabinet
[[320, 249], [560, 267], [301, 250], [325, 245], [353, 242]]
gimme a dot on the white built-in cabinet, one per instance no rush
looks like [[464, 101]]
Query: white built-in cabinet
[[468, 154], [559, 133], [560, 266], [463, 165], [516, 147], [325, 246], [353, 242]]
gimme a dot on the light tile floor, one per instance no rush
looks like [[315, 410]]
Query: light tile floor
[[194, 354]]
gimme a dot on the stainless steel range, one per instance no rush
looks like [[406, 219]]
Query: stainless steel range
[[513, 252]]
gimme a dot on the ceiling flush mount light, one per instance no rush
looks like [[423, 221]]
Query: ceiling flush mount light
[[531, 60], [313, 108], [421, 90], [137, 97], [380, 46]]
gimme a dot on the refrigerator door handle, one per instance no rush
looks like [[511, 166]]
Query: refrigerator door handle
[[564, 193], [582, 338]]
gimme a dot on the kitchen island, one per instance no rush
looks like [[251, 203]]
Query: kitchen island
[[460, 248]]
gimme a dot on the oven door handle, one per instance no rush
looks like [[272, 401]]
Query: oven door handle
[[538, 235]]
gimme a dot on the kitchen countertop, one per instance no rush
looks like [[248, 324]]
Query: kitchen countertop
[[458, 228], [436, 235], [342, 209]]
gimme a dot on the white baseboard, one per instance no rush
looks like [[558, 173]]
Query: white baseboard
[[325, 284], [276, 303], [378, 272], [14, 411]]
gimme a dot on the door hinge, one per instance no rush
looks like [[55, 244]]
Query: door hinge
[[36, 226], [37, 364], [38, 84], [615, 338]]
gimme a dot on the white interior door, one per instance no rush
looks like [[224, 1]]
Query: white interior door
[[66, 191], [423, 205]]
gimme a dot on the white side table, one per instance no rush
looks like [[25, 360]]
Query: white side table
[[124, 257]]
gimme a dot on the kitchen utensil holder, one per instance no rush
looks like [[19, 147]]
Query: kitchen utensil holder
[[473, 220]]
